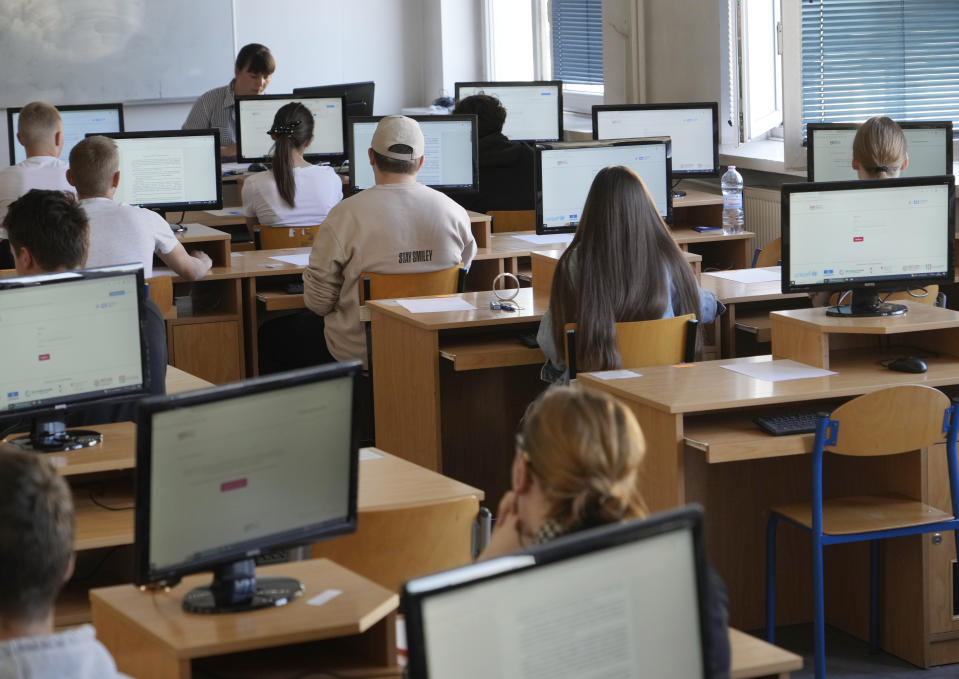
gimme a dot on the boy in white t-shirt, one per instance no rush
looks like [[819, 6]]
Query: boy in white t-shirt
[[120, 233]]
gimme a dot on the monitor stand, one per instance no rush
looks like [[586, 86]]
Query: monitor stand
[[52, 436], [866, 302], [235, 588]]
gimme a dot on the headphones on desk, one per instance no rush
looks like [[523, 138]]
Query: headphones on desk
[[505, 296]]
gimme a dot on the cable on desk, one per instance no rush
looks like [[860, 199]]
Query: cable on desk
[[95, 500]]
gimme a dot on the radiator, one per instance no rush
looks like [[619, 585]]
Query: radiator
[[762, 214]]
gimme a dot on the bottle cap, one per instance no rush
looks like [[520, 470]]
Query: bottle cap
[[730, 167]]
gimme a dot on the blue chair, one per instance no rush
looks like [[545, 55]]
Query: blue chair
[[884, 422]]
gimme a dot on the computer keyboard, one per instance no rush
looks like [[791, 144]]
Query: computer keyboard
[[788, 423]]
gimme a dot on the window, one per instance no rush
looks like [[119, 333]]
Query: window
[[577, 41], [755, 86]]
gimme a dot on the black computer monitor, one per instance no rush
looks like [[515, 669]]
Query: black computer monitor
[[868, 236], [624, 600], [227, 473], [357, 97], [564, 173], [169, 170], [254, 118], [70, 339], [829, 150], [693, 129], [534, 108], [451, 162], [78, 122]]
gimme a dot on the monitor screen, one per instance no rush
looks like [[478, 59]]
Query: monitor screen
[[693, 130], [566, 171], [450, 159], [71, 338], [169, 170], [880, 234], [829, 150], [254, 118], [358, 97], [569, 609], [534, 109], [78, 122], [228, 472]]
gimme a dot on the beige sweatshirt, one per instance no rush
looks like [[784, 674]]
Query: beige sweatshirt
[[389, 228]]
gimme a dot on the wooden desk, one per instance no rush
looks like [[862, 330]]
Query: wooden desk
[[214, 242], [150, 636], [702, 447], [449, 388], [752, 657]]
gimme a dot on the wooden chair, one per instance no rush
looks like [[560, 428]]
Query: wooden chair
[[770, 255], [276, 237], [160, 291], [884, 422], [664, 341], [512, 220]]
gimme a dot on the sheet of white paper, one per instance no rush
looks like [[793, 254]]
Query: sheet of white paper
[[778, 371], [369, 454], [548, 238], [323, 597], [235, 167], [295, 260], [432, 305], [226, 212], [763, 275], [615, 374]]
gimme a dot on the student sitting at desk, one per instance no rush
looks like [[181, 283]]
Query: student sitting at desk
[[293, 192], [505, 167], [119, 233], [576, 467], [879, 149], [621, 266], [36, 559], [251, 74]]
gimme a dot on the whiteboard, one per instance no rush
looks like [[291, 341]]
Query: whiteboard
[[98, 51]]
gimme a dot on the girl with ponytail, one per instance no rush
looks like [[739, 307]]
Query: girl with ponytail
[[293, 192]]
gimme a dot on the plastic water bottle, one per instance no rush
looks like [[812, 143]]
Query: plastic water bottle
[[732, 183]]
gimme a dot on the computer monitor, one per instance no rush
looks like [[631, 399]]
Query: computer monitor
[[829, 150], [357, 97], [70, 339], [451, 163], [78, 121], [693, 129], [534, 108], [169, 170], [254, 118], [624, 600], [564, 173], [868, 236], [230, 472]]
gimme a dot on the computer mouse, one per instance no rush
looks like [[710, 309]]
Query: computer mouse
[[257, 167], [907, 364]]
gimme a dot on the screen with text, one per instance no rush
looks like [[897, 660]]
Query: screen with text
[[256, 119], [868, 234], [167, 170], [76, 125], [690, 130], [832, 153], [567, 174], [594, 615], [64, 340], [532, 111], [238, 470]]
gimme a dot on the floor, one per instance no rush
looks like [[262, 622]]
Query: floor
[[848, 657]]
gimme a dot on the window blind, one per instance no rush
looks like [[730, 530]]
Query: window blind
[[898, 58], [577, 27]]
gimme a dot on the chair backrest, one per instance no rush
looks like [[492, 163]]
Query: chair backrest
[[276, 237], [889, 421], [771, 254], [664, 341], [513, 220], [160, 291], [391, 285]]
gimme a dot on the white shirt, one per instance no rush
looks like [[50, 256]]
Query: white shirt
[[124, 234], [36, 172], [318, 189]]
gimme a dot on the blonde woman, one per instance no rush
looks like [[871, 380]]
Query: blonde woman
[[879, 149]]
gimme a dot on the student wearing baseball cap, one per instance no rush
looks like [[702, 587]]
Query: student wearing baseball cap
[[396, 226]]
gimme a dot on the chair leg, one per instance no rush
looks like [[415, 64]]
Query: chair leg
[[819, 609], [771, 525], [874, 612]]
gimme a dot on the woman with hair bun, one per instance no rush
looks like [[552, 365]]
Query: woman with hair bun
[[293, 192], [576, 467]]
